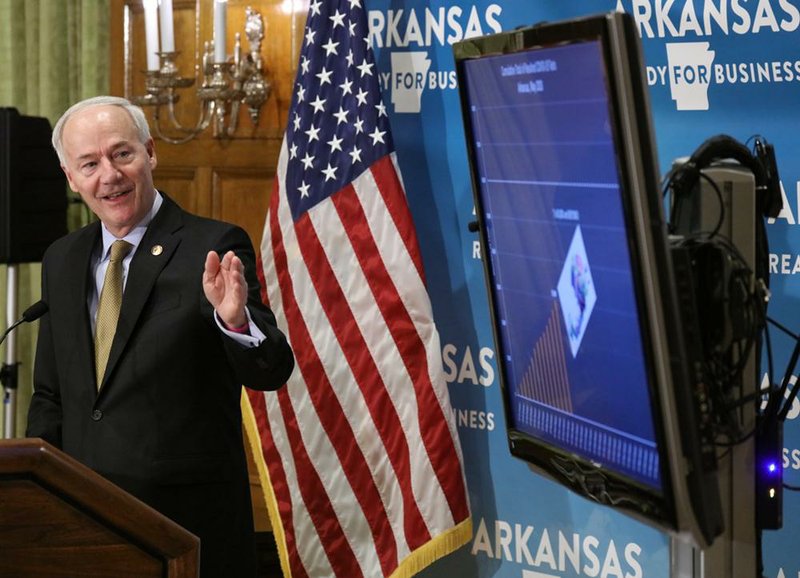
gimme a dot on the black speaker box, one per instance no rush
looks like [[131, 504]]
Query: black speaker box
[[33, 188]]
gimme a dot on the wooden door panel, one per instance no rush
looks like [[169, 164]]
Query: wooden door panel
[[242, 196], [187, 186]]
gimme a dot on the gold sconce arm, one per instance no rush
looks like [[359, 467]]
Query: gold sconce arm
[[224, 88]]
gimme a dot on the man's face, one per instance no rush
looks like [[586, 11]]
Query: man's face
[[109, 167]]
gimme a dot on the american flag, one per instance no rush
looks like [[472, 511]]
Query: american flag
[[362, 455]]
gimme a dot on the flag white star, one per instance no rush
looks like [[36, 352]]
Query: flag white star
[[310, 36], [318, 104], [315, 7], [346, 87], [381, 109], [377, 135], [324, 76], [359, 125], [365, 68], [296, 121], [361, 97], [354, 3], [352, 28], [335, 143], [330, 172], [313, 133], [303, 188], [349, 57], [330, 47], [337, 19], [293, 151], [308, 161], [304, 63], [341, 116], [301, 93], [355, 155]]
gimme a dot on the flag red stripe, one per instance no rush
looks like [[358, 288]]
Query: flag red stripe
[[388, 181], [272, 458], [316, 500], [262, 279], [435, 434], [271, 455], [277, 478], [344, 325]]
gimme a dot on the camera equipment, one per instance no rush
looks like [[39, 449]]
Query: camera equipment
[[720, 198]]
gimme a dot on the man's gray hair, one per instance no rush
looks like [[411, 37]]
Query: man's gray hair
[[136, 113]]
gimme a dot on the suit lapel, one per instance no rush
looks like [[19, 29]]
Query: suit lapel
[[153, 254]]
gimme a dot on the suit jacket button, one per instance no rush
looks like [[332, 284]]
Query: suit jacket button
[[97, 415]]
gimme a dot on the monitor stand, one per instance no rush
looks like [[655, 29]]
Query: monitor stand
[[734, 553]]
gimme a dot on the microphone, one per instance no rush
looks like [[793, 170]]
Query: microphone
[[32, 313]]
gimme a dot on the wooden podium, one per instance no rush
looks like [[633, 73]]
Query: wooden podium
[[59, 518]]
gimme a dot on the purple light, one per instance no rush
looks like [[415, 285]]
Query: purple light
[[771, 467]]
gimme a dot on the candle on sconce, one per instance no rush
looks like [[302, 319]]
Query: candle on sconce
[[151, 33], [220, 24], [167, 27]]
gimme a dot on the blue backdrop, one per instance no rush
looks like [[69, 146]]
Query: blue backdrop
[[525, 525]]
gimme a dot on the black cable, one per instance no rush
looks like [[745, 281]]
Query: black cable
[[771, 389], [783, 328], [775, 409], [779, 404], [749, 300], [666, 182], [752, 396], [752, 138], [736, 442]]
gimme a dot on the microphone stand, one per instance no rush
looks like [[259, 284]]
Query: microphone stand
[[9, 372]]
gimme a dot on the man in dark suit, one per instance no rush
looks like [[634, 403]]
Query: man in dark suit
[[163, 420]]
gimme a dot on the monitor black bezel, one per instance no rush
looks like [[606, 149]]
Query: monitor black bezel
[[688, 501]]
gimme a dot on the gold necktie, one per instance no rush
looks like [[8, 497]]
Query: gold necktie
[[108, 309]]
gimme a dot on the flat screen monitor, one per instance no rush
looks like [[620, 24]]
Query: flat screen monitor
[[588, 316]]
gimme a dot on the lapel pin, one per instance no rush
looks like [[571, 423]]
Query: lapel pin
[[157, 250]]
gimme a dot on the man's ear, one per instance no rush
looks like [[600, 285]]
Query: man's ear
[[68, 173], [150, 145]]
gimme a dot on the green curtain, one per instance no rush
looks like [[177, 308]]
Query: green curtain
[[52, 54]]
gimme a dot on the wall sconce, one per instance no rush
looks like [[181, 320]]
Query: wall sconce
[[226, 84]]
